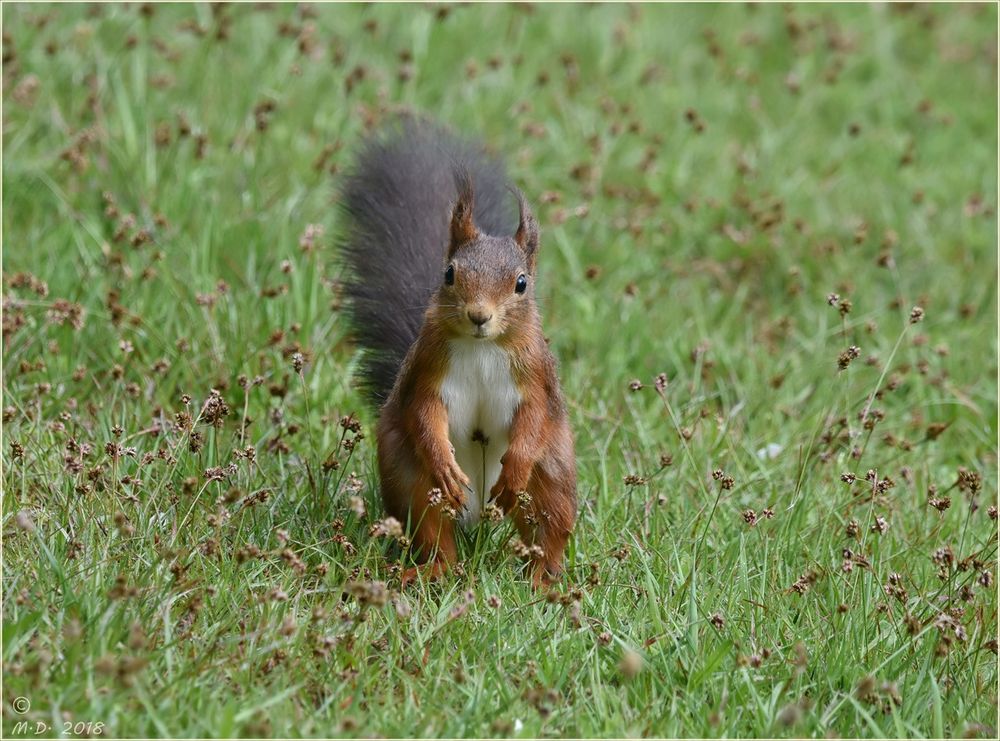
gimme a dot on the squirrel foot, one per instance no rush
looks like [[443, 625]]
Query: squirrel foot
[[542, 576], [430, 571]]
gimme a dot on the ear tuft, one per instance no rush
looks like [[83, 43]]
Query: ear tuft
[[527, 229], [463, 228]]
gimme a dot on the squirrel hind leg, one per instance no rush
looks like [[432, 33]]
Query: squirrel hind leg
[[432, 535], [546, 521]]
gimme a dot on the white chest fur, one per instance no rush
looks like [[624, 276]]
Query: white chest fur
[[481, 397]]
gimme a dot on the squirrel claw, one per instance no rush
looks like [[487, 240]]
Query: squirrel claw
[[456, 499], [453, 483], [496, 490]]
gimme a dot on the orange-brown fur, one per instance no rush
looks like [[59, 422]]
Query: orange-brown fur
[[414, 451]]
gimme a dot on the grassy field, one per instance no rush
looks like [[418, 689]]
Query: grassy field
[[783, 536]]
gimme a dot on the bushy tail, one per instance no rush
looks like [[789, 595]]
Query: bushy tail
[[396, 205]]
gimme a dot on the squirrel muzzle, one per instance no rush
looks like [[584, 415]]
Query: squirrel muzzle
[[479, 315]]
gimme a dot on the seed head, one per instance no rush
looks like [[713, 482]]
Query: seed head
[[940, 504], [24, 522], [215, 409], [804, 582], [845, 358], [493, 513], [390, 526], [631, 664], [970, 481], [369, 593], [350, 424], [354, 485], [790, 714]]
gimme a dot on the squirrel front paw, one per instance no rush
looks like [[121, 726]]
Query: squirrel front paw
[[513, 479], [453, 482]]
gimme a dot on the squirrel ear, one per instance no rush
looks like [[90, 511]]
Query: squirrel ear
[[527, 229], [463, 229]]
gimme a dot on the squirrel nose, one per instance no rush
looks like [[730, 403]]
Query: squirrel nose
[[479, 317]]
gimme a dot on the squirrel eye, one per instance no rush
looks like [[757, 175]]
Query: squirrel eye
[[522, 284], [449, 276]]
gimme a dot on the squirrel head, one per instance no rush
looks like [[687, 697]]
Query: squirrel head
[[487, 288]]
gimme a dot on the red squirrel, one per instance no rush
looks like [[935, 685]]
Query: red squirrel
[[440, 291]]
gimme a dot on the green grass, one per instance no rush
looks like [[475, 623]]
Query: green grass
[[847, 150]]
